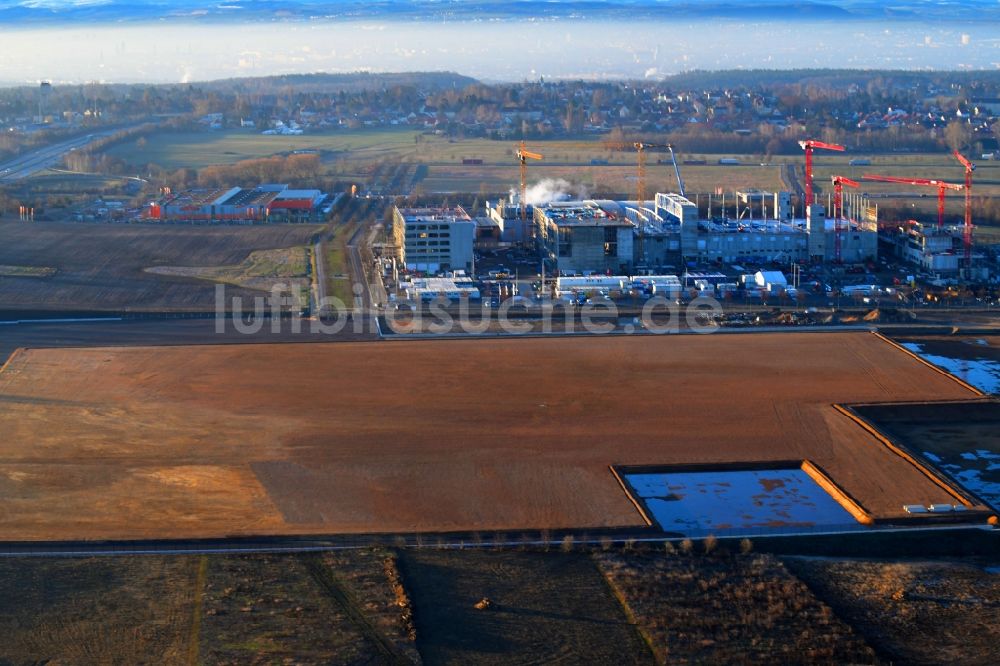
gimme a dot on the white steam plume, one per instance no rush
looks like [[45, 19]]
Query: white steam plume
[[554, 189]]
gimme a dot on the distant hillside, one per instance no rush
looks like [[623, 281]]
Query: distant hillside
[[827, 77], [61, 11], [333, 83]]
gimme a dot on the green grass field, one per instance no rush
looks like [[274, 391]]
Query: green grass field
[[262, 270], [987, 234], [57, 181], [366, 156], [174, 150], [930, 166]]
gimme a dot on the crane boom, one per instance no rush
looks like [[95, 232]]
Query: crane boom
[[808, 146], [810, 143], [677, 171], [913, 181], [927, 182]]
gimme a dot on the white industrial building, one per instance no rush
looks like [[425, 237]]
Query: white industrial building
[[614, 285], [433, 240], [452, 288]]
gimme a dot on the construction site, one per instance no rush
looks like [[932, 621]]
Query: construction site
[[763, 227]]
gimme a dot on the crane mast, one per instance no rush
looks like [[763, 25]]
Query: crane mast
[[967, 227], [523, 155], [838, 209]]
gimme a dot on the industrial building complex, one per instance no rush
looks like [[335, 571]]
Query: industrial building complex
[[669, 233], [623, 236], [237, 204]]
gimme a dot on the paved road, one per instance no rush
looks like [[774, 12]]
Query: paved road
[[319, 280], [43, 158], [117, 333], [460, 540], [362, 300]]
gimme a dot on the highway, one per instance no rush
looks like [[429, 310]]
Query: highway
[[31, 163]]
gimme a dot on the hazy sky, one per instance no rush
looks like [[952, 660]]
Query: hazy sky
[[501, 50]]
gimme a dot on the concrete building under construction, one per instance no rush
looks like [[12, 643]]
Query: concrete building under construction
[[578, 236], [622, 236], [931, 248]]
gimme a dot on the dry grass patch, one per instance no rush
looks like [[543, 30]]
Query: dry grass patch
[[913, 612], [96, 610], [263, 270], [542, 608], [726, 608], [264, 609]]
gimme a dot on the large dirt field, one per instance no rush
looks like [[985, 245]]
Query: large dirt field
[[428, 435], [102, 266]]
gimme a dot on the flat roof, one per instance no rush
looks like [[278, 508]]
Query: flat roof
[[583, 214], [195, 197], [298, 194], [438, 214], [254, 197]]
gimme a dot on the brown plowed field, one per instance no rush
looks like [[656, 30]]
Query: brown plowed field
[[428, 435], [102, 266]]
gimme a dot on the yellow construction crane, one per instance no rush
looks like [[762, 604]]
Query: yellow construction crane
[[523, 155], [640, 181]]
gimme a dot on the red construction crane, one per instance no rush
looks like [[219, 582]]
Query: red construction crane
[[838, 208], [808, 146], [967, 229], [523, 155], [941, 185]]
